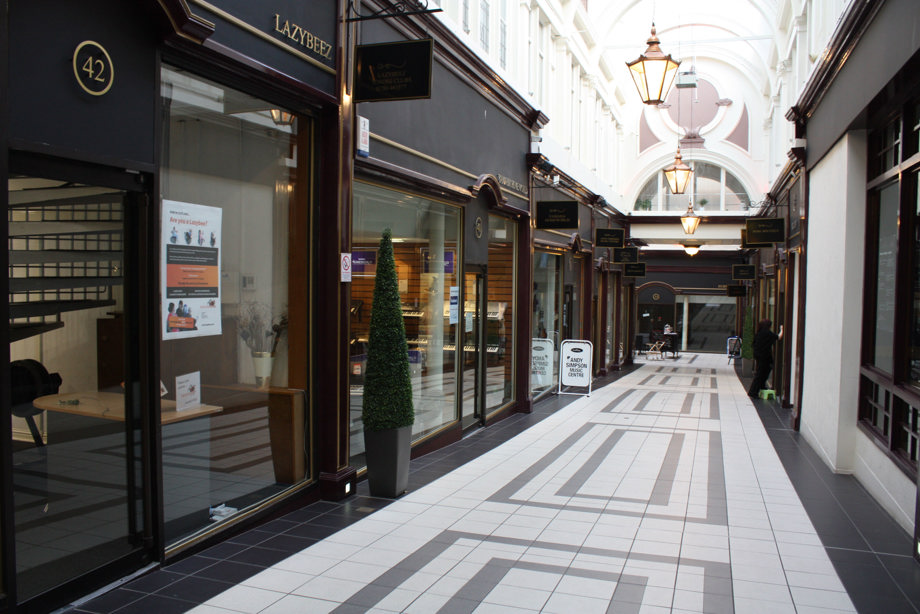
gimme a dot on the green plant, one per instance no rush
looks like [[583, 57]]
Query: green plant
[[387, 384], [747, 334]]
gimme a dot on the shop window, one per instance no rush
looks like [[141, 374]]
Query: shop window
[[914, 338], [547, 321], [499, 325], [228, 176], [426, 239], [885, 251], [890, 376]]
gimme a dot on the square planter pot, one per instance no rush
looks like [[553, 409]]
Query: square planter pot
[[388, 453]]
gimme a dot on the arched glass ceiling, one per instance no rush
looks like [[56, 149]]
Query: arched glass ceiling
[[712, 188], [743, 34]]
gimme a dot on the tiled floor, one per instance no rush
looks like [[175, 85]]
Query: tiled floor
[[661, 492]]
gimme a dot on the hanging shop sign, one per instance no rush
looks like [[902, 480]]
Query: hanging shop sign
[[562, 214], [766, 230], [190, 270], [742, 272], [745, 244], [609, 237], [575, 365], [393, 71], [736, 290], [625, 254], [634, 269]]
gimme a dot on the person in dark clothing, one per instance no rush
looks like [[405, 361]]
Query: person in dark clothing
[[763, 355]]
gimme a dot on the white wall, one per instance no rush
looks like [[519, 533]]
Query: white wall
[[833, 317], [833, 330], [893, 490]]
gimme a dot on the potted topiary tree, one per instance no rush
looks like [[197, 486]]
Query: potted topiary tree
[[387, 410], [747, 343]]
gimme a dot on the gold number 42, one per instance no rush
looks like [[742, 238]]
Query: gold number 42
[[94, 69]]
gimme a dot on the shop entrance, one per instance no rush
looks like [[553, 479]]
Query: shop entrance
[[78, 482], [473, 365]]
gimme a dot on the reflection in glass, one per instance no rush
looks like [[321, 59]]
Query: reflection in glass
[[426, 239], [887, 244], [547, 307], [224, 153], [75, 495], [914, 351], [499, 323]]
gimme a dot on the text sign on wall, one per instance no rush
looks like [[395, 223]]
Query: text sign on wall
[[399, 70], [743, 271], [625, 254], [634, 269], [541, 363], [609, 237], [766, 230], [575, 364], [557, 214]]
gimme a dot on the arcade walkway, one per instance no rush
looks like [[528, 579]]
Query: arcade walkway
[[661, 492]]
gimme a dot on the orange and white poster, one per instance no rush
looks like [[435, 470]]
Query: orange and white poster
[[190, 270]]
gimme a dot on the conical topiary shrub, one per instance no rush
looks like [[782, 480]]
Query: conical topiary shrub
[[387, 411]]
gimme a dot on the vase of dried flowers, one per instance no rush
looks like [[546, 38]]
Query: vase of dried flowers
[[261, 332]]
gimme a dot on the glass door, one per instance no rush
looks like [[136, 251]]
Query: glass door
[[474, 351], [76, 437]]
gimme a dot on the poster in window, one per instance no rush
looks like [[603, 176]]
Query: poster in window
[[190, 270]]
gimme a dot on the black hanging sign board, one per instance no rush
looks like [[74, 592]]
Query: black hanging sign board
[[745, 244], [393, 71], [609, 237], [625, 254], [743, 271], [557, 214], [736, 290], [766, 229], [634, 269]]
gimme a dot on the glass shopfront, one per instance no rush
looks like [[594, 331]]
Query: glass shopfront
[[76, 430], [610, 320], [233, 432], [426, 246], [499, 323], [547, 321]]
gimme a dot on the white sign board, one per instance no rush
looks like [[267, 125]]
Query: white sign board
[[188, 391], [541, 362], [575, 364]]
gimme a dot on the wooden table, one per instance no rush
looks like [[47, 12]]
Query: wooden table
[[111, 406]]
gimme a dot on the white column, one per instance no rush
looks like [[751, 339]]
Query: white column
[[683, 329]]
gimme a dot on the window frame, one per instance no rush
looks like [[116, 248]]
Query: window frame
[[889, 403]]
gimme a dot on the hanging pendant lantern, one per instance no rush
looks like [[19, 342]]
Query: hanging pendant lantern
[[678, 174], [690, 220], [653, 72]]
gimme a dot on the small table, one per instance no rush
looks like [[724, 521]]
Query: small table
[[111, 406]]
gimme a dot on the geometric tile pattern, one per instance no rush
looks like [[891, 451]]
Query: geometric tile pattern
[[660, 492]]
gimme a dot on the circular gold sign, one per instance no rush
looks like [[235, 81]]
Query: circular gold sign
[[93, 68], [656, 297], [477, 227]]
